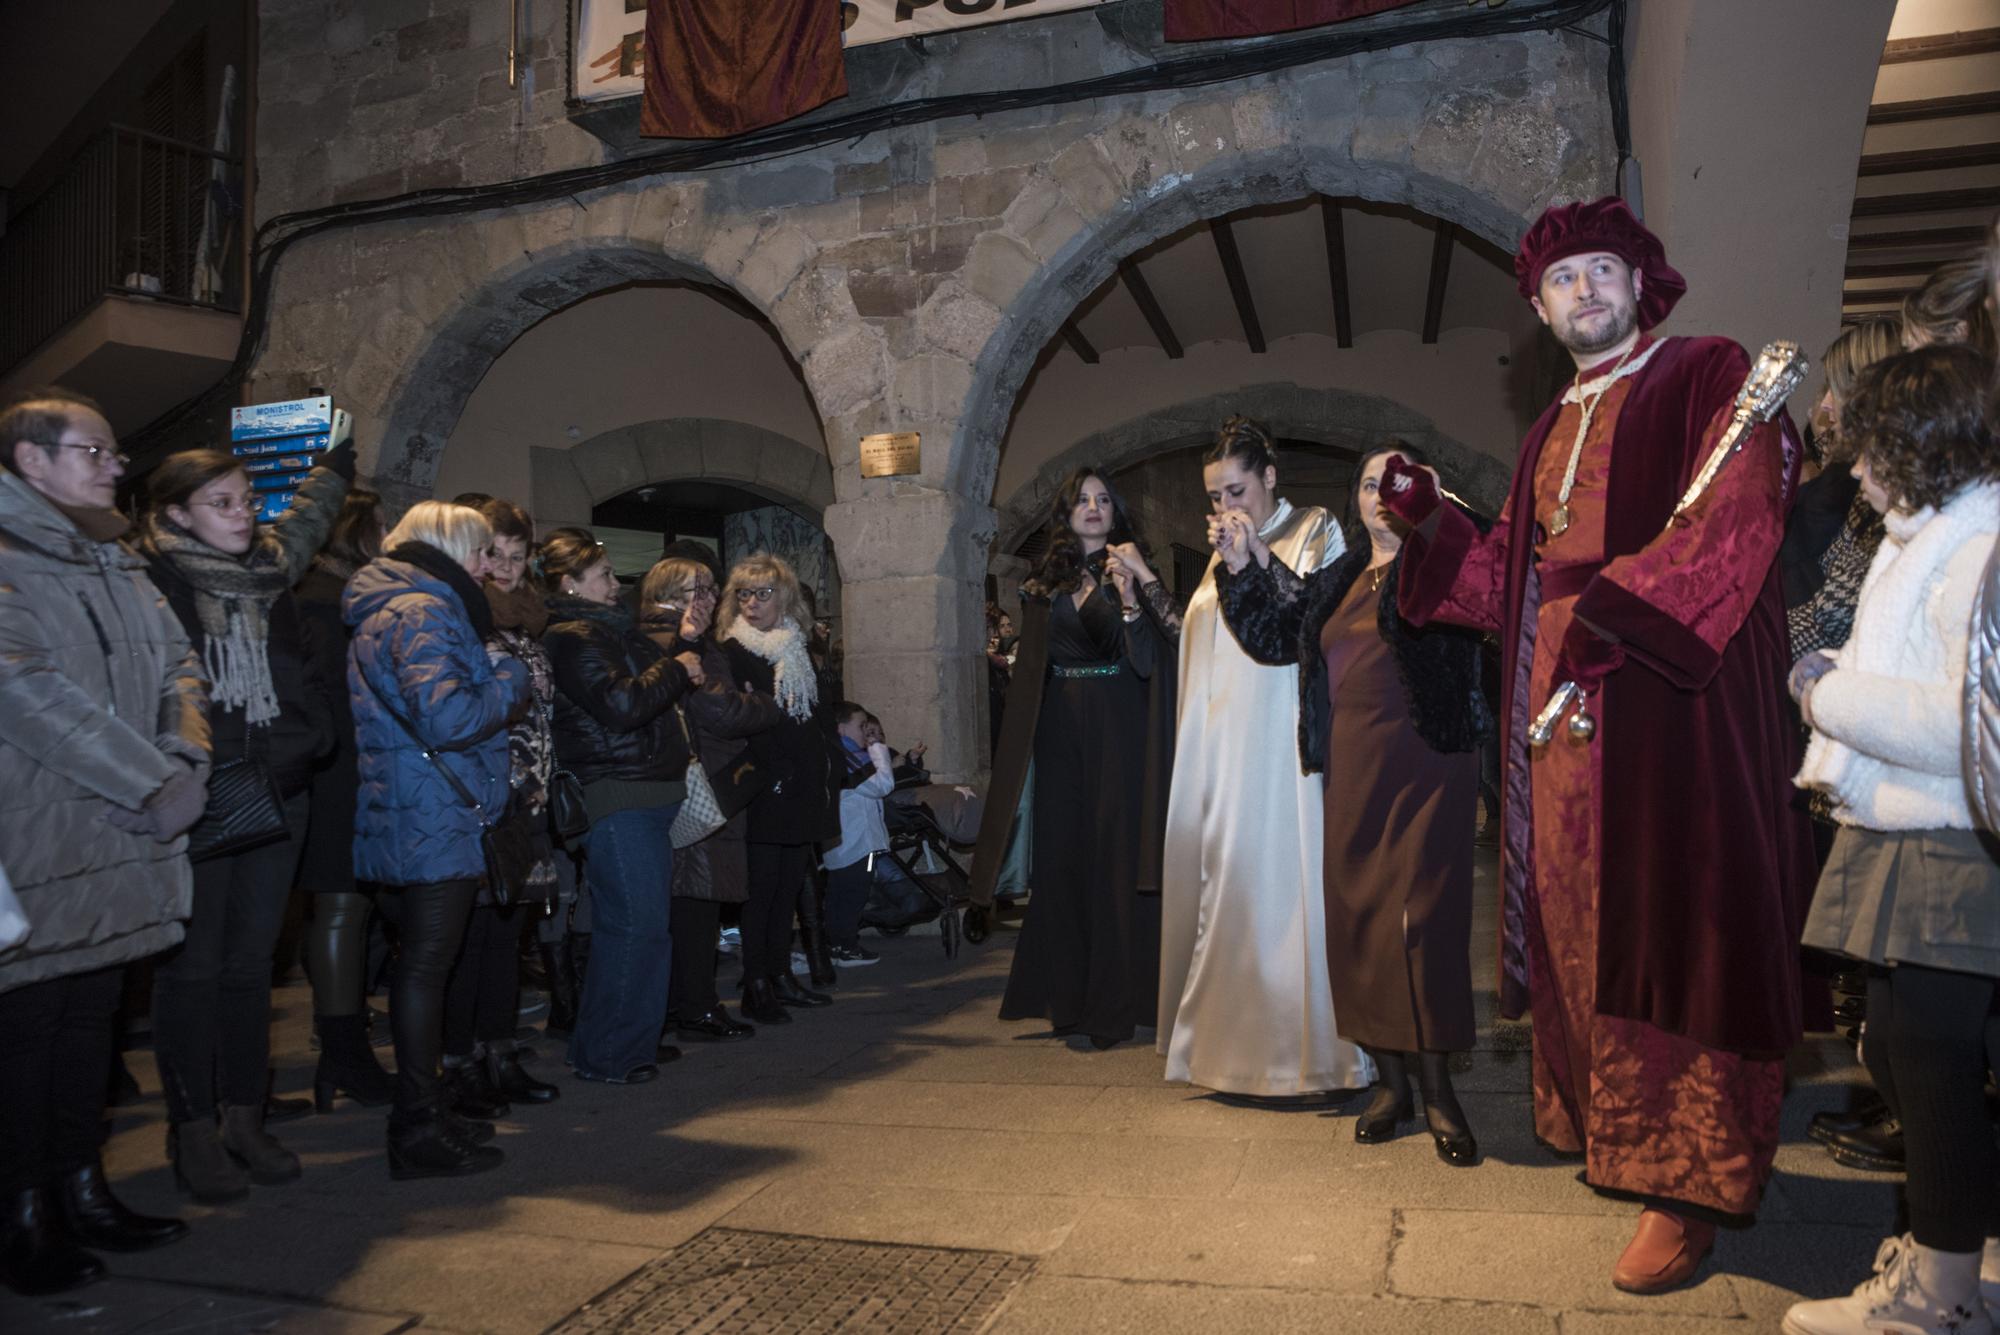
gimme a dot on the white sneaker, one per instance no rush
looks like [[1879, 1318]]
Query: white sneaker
[[1989, 1279], [1914, 1291]]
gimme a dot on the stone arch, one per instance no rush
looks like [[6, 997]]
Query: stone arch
[[1345, 419], [567, 483], [424, 402], [1129, 184]]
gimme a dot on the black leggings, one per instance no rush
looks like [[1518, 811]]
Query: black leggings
[[777, 875], [337, 952], [482, 1002], [1926, 1049], [430, 921], [691, 991]]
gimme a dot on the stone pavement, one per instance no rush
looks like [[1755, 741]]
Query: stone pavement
[[907, 1114]]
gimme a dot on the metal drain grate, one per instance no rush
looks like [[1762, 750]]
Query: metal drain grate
[[726, 1280]]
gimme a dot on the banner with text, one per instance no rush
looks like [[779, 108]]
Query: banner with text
[[608, 49]]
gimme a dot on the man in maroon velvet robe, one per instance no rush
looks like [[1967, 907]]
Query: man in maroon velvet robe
[[1656, 877]]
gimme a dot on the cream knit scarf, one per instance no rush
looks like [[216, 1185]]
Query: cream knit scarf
[[784, 648]]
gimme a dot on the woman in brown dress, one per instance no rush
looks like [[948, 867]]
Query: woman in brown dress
[[1393, 716]]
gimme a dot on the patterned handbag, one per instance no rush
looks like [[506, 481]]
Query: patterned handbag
[[244, 812], [700, 814]]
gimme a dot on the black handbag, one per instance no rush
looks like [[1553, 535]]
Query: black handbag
[[510, 846], [737, 782], [244, 812], [569, 818]]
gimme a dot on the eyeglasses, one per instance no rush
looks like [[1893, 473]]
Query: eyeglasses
[[763, 595], [99, 454], [231, 505]]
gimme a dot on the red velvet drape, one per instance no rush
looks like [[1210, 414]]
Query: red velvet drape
[[716, 68], [1207, 20]]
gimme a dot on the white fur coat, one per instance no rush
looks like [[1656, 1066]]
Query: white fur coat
[[1887, 720]]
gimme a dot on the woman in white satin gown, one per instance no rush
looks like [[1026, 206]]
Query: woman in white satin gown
[[1245, 1003]]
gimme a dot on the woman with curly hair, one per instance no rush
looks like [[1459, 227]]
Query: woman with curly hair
[[1087, 755], [1912, 887]]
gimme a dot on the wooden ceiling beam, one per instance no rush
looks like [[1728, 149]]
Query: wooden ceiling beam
[[1896, 269], [1440, 275], [1948, 158], [1917, 238], [1149, 306], [1927, 201], [1934, 108], [1941, 46], [1336, 269], [1239, 284], [1078, 344]]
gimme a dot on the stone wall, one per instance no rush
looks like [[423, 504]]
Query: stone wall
[[913, 276]]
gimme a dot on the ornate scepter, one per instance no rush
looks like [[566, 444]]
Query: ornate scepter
[[1779, 369]]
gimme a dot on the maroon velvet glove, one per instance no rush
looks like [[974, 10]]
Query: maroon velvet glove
[[1588, 658], [1408, 492]]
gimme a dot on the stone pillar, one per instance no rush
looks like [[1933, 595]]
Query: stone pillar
[[913, 569], [1747, 124]]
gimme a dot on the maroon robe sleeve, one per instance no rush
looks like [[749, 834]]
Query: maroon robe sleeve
[[1676, 602], [1454, 573]]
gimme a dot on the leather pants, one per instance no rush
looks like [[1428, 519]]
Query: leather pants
[[337, 952], [432, 921]]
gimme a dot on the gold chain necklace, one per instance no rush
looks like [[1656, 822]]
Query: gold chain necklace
[[1559, 519]]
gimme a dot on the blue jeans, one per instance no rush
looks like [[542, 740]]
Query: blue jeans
[[629, 864]]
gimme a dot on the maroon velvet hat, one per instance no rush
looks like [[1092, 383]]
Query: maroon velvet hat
[[1607, 225]]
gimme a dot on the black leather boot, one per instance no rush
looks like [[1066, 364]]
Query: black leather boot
[[812, 940], [471, 1094], [760, 1003], [505, 1074], [1388, 1103], [429, 1145], [36, 1255], [347, 1065], [93, 1217], [1874, 1148], [561, 969], [1825, 1126], [794, 993], [1450, 1132]]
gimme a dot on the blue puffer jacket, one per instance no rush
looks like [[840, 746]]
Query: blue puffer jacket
[[414, 643]]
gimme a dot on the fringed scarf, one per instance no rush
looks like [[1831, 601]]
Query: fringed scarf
[[524, 609], [784, 648], [232, 601]]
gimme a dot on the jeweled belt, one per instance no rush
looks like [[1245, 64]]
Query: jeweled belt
[[1091, 670]]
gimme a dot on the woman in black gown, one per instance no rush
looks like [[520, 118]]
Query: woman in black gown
[[1090, 713]]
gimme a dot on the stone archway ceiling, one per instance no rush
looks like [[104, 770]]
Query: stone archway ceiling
[[1928, 182], [1264, 273]]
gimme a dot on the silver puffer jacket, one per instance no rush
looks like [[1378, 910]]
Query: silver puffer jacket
[[1982, 699]]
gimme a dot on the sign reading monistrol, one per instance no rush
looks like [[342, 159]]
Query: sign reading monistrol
[[865, 21], [609, 47]]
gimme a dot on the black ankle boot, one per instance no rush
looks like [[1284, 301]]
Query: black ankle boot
[[36, 1255], [471, 1094], [93, 1217], [1388, 1103], [1442, 1114], [760, 1003], [713, 1026], [347, 1065], [1874, 1148], [430, 1146], [794, 993], [812, 941], [561, 968], [511, 1082]]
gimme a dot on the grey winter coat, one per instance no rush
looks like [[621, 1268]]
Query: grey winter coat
[[101, 702], [1982, 699]]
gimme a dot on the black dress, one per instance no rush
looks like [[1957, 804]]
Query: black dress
[[1089, 952]]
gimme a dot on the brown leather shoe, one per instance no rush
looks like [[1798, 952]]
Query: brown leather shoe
[[1665, 1252]]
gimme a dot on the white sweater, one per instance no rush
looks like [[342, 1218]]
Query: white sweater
[[862, 827], [1887, 720]]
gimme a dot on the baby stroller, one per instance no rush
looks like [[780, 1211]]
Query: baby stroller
[[935, 874]]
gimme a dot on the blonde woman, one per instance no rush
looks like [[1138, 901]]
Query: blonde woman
[[426, 696], [765, 625]]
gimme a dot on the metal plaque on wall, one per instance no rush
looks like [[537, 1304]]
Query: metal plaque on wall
[[891, 453]]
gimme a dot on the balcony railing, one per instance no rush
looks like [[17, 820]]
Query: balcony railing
[[135, 214]]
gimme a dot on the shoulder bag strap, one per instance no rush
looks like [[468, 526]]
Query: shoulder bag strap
[[430, 754]]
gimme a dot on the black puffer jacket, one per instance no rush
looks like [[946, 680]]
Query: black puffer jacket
[[802, 806], [615, 693]]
